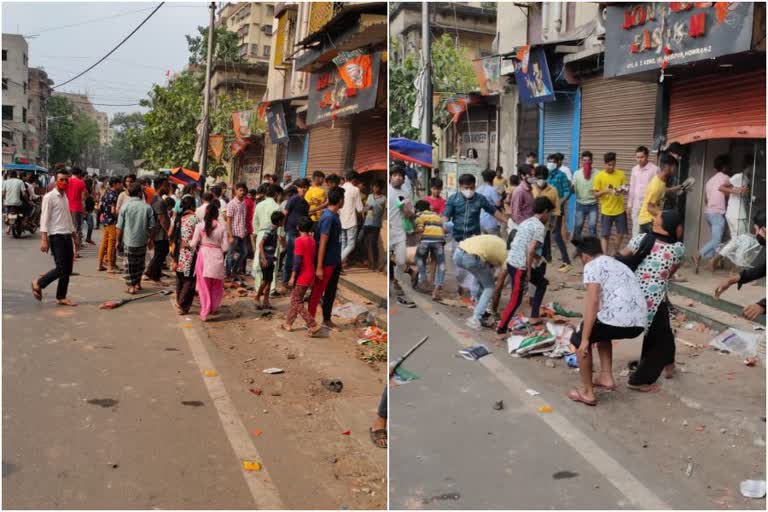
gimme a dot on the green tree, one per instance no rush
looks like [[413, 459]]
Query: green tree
[[221, 117], [225, 46], [127, 144], [72, 135], [452, 74], [169, 126]]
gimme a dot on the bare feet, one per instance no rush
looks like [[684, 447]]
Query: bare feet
[[330, 325], [65, 302], [37, 292], [604, 381], [286, 327], [131, 290], [580, 396], [669, 371], [313, 331]]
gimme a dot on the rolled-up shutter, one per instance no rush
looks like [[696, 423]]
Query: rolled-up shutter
[[328, 147], [722, 106], [371, 142], [558, 127], [616, 116]]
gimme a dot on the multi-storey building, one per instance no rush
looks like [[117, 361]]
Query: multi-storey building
[[39, 92], [252, 22], [16, 142]]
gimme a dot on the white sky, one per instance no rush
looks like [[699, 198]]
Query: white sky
[[127, 75]]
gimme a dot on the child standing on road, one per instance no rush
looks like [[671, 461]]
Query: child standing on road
[[429, 225], [267, 257], [302, 276], [328, 239]]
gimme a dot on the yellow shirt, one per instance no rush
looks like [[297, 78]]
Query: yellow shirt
[[430, 226], [610, 203], [500, 184], [490, 248], [315, 196], [550, 193], [654, 194]]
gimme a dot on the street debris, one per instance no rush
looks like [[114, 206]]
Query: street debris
[[114, 304], [250, 359], [741, 343], [351, 311], [372, 334], [752, 361], [405, 302], [545, 409], [333, 385], [498, 406], [403, 376], [257, 432], [474, 352], [103, 402], [571, 361], [550, 364], [210, 373], [532, 392], [255, 391], [689, 470], [753, 489], [346, 433], [250, 465], [192, 403], [645, 444], [273, 371]]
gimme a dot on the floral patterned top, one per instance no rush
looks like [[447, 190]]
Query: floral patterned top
[[185, 252], [655, 270]]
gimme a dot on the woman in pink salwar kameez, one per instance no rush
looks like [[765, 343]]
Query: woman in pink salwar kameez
[[212, 242]]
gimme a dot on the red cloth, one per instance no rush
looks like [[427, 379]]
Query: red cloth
[[305, 247], [149, 194], [250, 205], [75, 190], [436, 204]]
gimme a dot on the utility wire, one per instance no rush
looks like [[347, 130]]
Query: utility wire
[[86, 22], [113, 49]]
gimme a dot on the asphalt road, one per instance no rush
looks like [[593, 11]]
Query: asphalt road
[[450, 449], [92, 401]]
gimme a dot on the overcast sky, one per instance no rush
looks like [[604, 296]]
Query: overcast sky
[[126, 76]]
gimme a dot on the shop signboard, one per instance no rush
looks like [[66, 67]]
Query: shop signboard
[[533, 79], [330, 95], [649, 36], [278, 133]]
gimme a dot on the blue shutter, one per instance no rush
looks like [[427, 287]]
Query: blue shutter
[[295, 155], [558, 127]]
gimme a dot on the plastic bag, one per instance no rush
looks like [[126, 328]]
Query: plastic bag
[[741, 250], [737, 342]]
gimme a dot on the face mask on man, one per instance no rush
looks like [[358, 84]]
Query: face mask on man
[[541, 183], [530, 180], [468, 193], [551, 166], [61, 185]]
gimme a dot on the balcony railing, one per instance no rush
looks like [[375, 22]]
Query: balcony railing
[[321, 13]]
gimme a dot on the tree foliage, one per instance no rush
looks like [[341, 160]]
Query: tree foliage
[[127, 144], [169, 134], [72, 135], [225, 46], [221, 117], [452, 74]]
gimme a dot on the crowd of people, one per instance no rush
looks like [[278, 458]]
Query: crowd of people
[[300, 234], [503, 230]]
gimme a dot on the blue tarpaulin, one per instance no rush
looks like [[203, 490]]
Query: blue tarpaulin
[[411, 151], [24, 167]]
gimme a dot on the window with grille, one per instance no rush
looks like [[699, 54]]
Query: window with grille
[[23, 115], [267, 50], [7, 112]]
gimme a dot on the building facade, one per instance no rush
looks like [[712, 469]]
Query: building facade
[[252, 22], [39, 92], [16, 139]]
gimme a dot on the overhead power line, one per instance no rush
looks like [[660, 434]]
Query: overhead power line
[[86, 22], [113, 49]]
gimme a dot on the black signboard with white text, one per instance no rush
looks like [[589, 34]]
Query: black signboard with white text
[[330, 95], [650, 36]]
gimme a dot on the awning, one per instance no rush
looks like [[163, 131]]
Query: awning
[[24, 167], [185, 177], [411, 151]]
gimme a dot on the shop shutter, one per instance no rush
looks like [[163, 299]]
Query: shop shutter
[[328, 147], [722, 106], [371, 143], [295, 155], [616, 116], [558, 128]]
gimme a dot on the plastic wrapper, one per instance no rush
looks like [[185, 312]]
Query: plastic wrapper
[[741, 250]]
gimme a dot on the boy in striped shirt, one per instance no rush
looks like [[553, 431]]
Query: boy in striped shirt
[[429, 225]]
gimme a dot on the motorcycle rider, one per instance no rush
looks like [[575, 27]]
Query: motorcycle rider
[[14, 194]]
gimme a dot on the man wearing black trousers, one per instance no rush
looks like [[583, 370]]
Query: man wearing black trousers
[[56, 227], [329, 297], [160, 234]]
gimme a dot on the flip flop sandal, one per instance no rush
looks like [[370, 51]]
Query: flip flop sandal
[[653, 388], [37, 292], [576, 396], [379, 437], [604, 387], [68, 304], [405, 302], [315, 333]]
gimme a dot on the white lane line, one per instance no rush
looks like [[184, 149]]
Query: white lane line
[[624, 481], [263, 490]]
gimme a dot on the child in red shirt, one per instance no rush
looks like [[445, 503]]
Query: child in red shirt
[[302, 277], [436, 203]]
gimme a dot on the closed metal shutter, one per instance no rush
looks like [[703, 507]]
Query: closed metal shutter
[[616, 116], [558, 127], [722, 106], [371, 142], [295, 155], [328, 147]]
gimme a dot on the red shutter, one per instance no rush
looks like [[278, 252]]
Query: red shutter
[[371, 142], [729, 106]]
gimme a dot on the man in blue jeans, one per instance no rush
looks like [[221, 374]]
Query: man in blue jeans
[[481, 255], [586, 203], [237, 230], [559, 180], [717, 190]]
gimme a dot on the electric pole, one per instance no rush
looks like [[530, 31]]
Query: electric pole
[[204, 135], [426, 96]]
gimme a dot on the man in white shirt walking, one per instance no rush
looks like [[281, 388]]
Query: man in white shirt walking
[[56, 227], [353, 207]]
